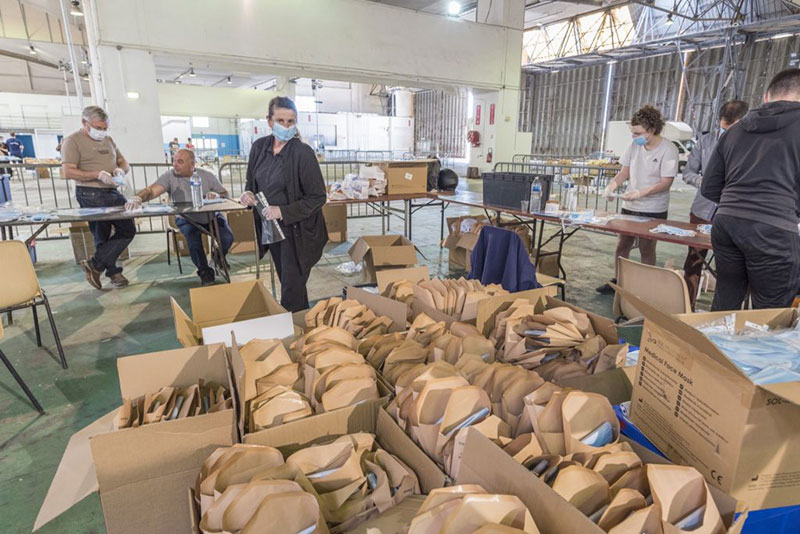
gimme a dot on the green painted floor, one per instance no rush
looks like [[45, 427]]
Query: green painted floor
[[98, 326]]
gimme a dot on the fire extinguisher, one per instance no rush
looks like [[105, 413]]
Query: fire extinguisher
[[489, 156]]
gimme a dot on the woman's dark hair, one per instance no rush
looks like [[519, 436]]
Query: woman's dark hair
[[733, 110], [281, 102], [648, 118]]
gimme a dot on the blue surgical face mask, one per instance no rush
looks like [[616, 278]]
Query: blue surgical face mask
[[722, 130], [282, 133], [640, 141]]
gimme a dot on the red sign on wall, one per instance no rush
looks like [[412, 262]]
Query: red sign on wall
[[478, 115], [491, 114]]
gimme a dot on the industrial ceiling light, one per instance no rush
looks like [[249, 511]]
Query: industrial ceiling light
[[178, 82], [32, 50], [453, 8], [192, 73], [669, 20], [133, 95], [76, 10]]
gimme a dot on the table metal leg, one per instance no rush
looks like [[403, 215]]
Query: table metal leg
[[216, 236], [441, 231], [384, 216], [408, 218]]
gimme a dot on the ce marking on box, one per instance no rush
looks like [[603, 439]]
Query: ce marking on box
[[716, 477]]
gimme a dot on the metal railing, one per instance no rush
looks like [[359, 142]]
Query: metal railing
[[590, 181], [233, 176], [544, 158], [367, 155], [42, 185]]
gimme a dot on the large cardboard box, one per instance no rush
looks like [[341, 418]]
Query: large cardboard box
[[244, 232], [364, 417], [405, 176], [382, 252], [486, 464], [700, 409], [335, 222], [246, 308], [142, 473]]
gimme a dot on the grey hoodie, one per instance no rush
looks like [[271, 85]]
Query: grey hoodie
[[754, 172]]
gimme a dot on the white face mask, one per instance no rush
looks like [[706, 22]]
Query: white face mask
[[97, 135]]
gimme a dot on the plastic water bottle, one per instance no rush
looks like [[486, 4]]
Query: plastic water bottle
[[536, 196], [196, 184], [569, 202]]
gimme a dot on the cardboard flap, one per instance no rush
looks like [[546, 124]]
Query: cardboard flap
[[467, 241], [152, 451], [397, 255], [785, 390], [394, 310], [488, 308], [681, 331], [180, 367], [187, 332], [278, 326], [227, 303], [411, 274], [75, 477]]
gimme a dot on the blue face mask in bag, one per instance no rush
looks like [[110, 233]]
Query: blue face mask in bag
[[640, 141], [282, 133]]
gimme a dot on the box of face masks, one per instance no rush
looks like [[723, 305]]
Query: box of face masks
[[701, 409]]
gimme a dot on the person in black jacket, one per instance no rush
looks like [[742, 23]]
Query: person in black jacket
[[754, 176], [286, 170]]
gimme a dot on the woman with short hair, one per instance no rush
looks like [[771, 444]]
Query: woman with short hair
[[649, 165]]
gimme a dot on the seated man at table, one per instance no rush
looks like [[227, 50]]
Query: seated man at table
[[176, 183]]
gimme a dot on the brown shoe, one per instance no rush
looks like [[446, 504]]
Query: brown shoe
[[118, 280], [92, 276]]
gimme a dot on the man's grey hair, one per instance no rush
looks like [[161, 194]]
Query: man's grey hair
[[189, 152], [92, 113]]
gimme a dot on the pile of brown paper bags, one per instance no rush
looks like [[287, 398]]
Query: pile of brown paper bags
[[425, 342], [574, 449], [457, 298], [248, 489], [355, 479], [469, 509], [172, 403], [272, 386], [349, 315], [335, 375], [558, 343]]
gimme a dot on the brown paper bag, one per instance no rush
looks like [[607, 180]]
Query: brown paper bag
[[583, 488]]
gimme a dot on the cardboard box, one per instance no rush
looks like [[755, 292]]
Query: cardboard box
[[83, 242], [405, 176], [246, 308], [486, 464], [244, 232], [382, 252], [336, 222], [411, 274], [700, 409], [364, 417], [460, 244], [142, 473]]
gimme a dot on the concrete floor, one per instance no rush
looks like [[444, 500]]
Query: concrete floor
[[98, 326]]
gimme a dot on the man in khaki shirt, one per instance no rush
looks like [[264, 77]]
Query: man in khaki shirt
[[92, 159]]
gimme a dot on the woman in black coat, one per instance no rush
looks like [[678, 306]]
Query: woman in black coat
[[286, 170]]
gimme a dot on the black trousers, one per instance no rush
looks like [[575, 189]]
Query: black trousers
[[108, 245], [758, 256], [294, 294]]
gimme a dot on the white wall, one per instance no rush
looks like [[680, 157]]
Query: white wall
[[336, 96], [331, 39], [172, 127]]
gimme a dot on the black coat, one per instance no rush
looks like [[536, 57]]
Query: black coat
[[302, 222]]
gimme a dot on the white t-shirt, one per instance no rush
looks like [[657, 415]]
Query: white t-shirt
[[647, 168]]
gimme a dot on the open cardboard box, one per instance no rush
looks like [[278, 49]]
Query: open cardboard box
[[485, 463], [335, 222], [410, 274], [246, 308], [244, 232], [700, 409], [365, 417], [382, 252], [142, 473], [405, 176]]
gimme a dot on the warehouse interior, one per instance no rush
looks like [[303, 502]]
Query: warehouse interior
[[509, 96]]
